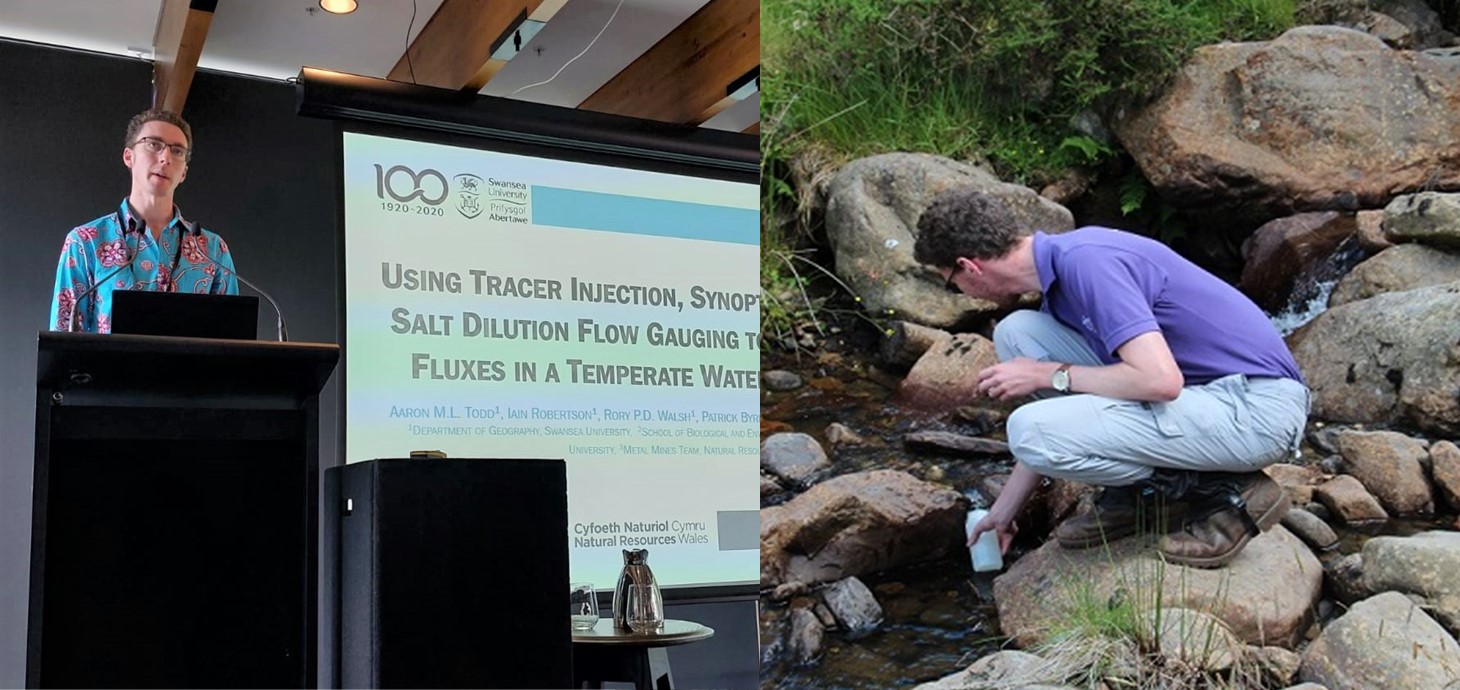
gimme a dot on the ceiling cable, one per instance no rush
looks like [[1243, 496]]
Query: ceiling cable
[[575, 57]]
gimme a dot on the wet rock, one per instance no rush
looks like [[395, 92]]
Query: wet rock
[[1332, 464], [1305, 122], [838, 434], [1391, 358], [1297, 480], [807, 635], [858, 523], [1192, 637], [871, 224], [1281, 250], [1384, 641], [1279, 667], [1008, 668], [781, 380], [1308, 527], [768, 486], [1324, 439], [792, 456], [1445, 468], [1405, 267], [1350, 501], [946, 376], [1425, 564], [856, 610], [958, 443], [906, 341], [1264, 596], [1319, 510], [1431, 218], [1389, 466], [1344, 578]]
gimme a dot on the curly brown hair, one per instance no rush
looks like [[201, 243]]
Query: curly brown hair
[[134, 126], [965, 223]]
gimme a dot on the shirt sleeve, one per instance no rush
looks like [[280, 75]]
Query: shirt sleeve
[[1115, 293], [225, 282], [73, 277]]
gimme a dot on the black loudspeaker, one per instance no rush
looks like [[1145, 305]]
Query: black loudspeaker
[[452, 573]]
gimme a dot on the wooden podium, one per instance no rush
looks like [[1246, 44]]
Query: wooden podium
[[173, 534]]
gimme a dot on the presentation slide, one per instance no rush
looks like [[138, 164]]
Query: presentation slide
[[508, 306]]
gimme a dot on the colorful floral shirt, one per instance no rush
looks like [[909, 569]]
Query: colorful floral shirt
[[189, 259]]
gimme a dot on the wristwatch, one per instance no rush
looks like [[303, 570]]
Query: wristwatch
[[1061, 379]]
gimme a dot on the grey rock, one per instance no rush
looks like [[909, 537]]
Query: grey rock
[[854, 606], [1391, 358], [807, 635], [1313, 531], [1399, 268], [1424, 564], [871, 223], [792, 456], [1384, 641], [781, 380], [1345, 579], [1431, 218]]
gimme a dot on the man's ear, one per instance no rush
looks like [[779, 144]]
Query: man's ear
[[127, 157]]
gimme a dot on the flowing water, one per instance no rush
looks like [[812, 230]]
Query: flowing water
[[937, 617]]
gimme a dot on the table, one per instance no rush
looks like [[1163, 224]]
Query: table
[[606, 654]]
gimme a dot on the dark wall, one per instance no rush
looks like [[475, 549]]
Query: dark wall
[[264, 179]]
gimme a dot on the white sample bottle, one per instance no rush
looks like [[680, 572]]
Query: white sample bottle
[[985, 551]]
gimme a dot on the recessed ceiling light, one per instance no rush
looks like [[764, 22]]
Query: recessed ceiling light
[[338, 6]]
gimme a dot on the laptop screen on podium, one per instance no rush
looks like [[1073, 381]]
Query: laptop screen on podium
[[185, 315]]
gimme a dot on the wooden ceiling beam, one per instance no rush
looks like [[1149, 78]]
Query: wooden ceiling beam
[[687, 72], [182, 26], [453, 48]]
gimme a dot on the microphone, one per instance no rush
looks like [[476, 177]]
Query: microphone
[[76, 304], [282, 330]]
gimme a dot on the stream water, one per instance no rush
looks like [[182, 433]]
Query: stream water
[[937, 616]]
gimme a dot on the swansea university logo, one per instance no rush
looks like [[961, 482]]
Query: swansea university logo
[[468, 195]]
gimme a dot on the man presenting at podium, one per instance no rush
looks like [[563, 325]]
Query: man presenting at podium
[[145, 244]]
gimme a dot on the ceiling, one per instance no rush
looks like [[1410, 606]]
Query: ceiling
[[663, 60]]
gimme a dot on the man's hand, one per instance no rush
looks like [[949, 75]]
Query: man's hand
[[995, 521], [1015, 378]]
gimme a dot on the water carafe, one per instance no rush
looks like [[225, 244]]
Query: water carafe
[[637, 603]]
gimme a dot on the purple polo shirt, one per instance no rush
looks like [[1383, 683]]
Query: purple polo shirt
[[1112, 286]]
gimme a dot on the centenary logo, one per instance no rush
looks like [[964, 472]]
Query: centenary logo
[[405, 185], [468, 195]]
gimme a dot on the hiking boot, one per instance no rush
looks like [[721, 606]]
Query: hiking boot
[[1150, 505], [1229, 510]]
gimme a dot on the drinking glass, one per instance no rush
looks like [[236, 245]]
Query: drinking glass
[[644, 609], [582, 605]]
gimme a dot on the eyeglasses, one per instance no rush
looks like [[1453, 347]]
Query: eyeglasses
[[155, 146], [948, 283]]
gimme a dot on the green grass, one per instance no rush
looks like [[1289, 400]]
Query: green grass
[[994, 81]]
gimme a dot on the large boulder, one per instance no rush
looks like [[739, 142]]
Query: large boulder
[[1265, 596], [1385, 641], [1388, 359], [1425, 564], [1320, 118], [858, 523], [1281, 251], [1399, 268], [872, 221]]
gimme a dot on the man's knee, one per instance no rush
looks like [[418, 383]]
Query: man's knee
[[1026, 444], [1014, 331]]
